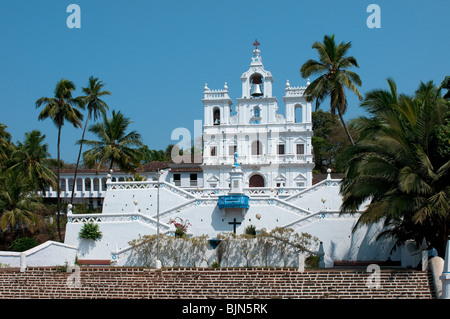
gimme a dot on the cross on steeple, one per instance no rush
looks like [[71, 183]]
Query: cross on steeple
[[256, 43], [234, 223]]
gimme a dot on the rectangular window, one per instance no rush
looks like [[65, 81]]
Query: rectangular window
[[193, 180], [300, 149], [213, 151], [232, 149], [256, 148], [280, 149], [177, 179]]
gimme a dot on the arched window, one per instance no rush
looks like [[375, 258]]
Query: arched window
[[256, 81], [71, 184], [216, 116], [63, 185], [256, 115], [256, 112], [256, 181], [298, 113], [96, 184], [87, 184], [79, 186], [257, 148], [103, 184]]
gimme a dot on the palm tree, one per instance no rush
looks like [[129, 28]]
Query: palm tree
[[114, 145], [18, 203], [32, 162], [334, 77], [61, 108], [5, 139], [395, 166], [95, 106], [446, 85]]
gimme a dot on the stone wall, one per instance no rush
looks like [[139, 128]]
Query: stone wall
[[191, 283]]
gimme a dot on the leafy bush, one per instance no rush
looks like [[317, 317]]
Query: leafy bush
[[90, 231], [250, 230], [23, 243]]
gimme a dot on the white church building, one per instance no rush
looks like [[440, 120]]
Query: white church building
[[273, 151], [256, 169]]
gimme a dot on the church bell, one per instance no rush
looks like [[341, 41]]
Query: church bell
[[257, 90]]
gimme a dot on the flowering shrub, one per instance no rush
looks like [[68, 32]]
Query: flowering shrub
[[181, 226]]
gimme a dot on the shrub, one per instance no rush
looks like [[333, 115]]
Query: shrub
[[250, 230], [23, 243], [90, 231]]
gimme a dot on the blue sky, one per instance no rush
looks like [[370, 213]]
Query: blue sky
[[155, 56]]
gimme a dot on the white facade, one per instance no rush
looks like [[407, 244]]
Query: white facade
[[273, 151]]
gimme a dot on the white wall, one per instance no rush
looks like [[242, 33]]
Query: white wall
[[304, 212], [49, 253]]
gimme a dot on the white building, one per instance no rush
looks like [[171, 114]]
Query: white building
[[273, 151], [267, 184]]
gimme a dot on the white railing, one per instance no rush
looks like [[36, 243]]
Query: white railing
[[271, 159], [215, 94], [116, 217], [324, 183], [295, 90], [112, 186], [319, 215], [272, 192], [207, 192], [281, 192], [77, 194], [280, 203]]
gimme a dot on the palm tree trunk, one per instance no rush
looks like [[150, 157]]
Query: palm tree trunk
[[58, 180], [345, 126], [78, 160]]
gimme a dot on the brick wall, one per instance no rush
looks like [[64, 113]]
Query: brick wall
[[117, 282]]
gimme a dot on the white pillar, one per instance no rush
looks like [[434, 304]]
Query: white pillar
[[301, 262], [23, 262], [445, 278], [321, 254]]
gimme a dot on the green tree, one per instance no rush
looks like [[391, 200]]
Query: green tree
[[32, 162], [61, 108], [114, 144], [334, 77], [95, 107], [18, 203], [6, 147], [170, 149], [148, 155], [328, 141], [394, 166], [446, 85]]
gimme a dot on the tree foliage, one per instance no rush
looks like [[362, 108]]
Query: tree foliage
[[61, 108], [334, 76], [328, 141], [114, 145], [400, 165]]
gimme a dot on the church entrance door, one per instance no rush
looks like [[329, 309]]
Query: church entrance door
[[256, 181]]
